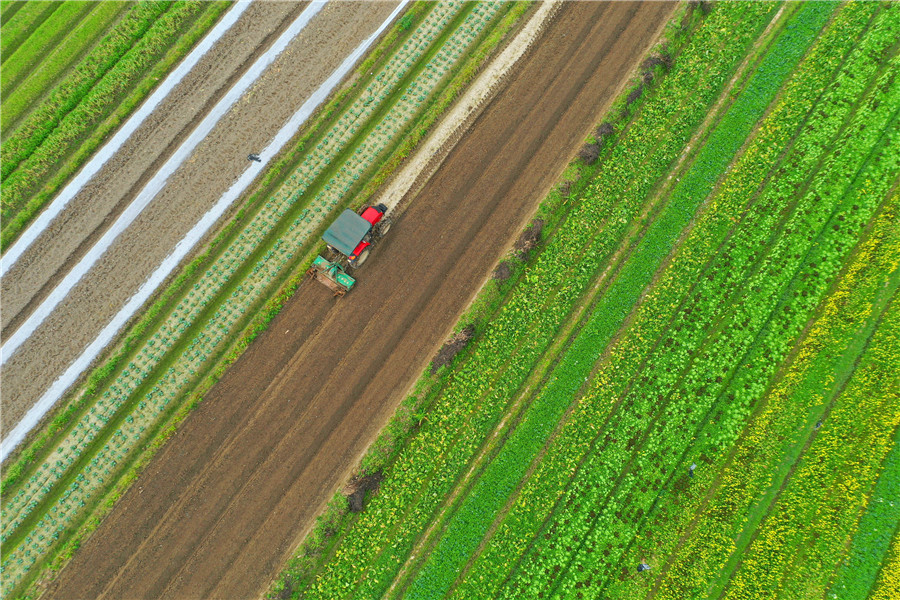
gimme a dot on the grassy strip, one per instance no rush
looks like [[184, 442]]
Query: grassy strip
[[85, 141], [55, 61], [20, 140], [23, 18], [64, 20], [857, 574], [436, 457], [9, 7]]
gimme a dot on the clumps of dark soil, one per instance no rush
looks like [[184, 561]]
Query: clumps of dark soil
[[704, 5], [663, 59], [529, 239], [604, 130], [287, 591], [452, 347], [589, 153], [502, 272], [358, 487], [635, 94]]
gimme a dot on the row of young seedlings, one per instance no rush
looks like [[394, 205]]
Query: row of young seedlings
[[187, 312], [474, 398], [517, 529], [692, 372], [223, 323]]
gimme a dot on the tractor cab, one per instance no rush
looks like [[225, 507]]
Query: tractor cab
[[349, 239]]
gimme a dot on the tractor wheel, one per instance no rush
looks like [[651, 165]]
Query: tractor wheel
[[384, 226], [361, 258]]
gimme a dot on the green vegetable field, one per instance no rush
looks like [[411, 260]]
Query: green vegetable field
[[681, 382], [692, 389]]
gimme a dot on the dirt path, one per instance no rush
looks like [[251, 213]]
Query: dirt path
[[189, 193], [220, 507]]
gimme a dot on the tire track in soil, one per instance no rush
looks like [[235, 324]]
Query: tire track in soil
[[219, 508]]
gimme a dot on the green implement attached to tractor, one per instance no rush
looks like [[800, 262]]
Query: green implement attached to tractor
[[349, 240]]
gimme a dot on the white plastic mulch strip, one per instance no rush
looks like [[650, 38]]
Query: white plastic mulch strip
[[59, 387], [156, 183], [112, 146]]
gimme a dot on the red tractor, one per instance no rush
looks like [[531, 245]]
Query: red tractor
[[349, 239]]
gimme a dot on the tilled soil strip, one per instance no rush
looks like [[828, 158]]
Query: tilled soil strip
[[186, 245], [191, 191]]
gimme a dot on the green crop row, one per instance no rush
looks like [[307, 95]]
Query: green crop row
[[697, 529], [18, 26], [857, 573], [95, 450], [793, 551], [475, 397], [887, 586], [19, 143], [40, 43], [807, 154], [53, 58], [733, 366], [629, 420], [504, 472], [520, 527], [50, 33], [73, 156], [783, 555]]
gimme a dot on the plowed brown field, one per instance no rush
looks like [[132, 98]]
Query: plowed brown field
[[220, 507]]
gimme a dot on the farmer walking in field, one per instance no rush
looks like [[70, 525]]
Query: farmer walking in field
[[254, 157], [643, 567], [691, 470]]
